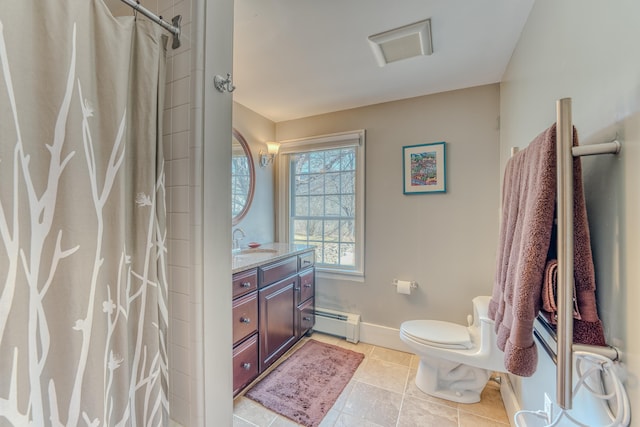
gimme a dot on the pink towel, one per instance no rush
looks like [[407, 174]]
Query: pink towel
[[550, 293], [528, 202]]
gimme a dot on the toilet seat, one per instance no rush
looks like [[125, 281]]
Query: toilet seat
[[437, 333]]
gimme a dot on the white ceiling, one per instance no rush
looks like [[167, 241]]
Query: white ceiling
[[297, 58]]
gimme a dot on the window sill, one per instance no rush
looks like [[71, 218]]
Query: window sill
[[342, 275]]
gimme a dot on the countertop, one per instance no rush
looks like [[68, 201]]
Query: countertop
[[248, 258]]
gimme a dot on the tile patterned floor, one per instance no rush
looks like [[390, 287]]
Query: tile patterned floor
[[382, 393]]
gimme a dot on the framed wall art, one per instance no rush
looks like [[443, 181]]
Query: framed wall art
[[423, 168]]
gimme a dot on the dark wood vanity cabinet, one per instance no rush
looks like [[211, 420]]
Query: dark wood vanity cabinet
[[273, 308]]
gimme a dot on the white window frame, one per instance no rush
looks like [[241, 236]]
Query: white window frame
[[283, 204]]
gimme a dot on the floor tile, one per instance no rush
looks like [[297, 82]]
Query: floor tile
[[283, 422], [375, 404], [392, 356], [239, 422], [253, 412], [330, 419], [383, 374], [342, 399], [346, 420], [472, 420], [421, 413], [360, 347], [490, 405]]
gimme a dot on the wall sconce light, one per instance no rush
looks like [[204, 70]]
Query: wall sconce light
[[267, 158]]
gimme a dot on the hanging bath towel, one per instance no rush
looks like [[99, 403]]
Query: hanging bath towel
[[528, 202]]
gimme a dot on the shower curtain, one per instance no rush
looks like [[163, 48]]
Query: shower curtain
[[83, 286]]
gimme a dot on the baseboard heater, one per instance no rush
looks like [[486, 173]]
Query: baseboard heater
[[332, 322]]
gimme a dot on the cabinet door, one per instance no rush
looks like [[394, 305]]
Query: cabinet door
[[277, 320]]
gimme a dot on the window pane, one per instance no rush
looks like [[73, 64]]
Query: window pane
[[301, 185], [347, 231], [332, 230], [300, 163], [331, 253], [315, 230], [332, 205], [301, 206], [316, 161], [348, 254], [348, 182], [316, 206], [348, 158], [332, 161], [332, 183], [348, 206], [300, 230], [316, 183]]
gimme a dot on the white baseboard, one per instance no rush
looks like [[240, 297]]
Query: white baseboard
[[511, 404], [382, 336]]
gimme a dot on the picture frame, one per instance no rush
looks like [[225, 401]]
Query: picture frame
[[424, 168]]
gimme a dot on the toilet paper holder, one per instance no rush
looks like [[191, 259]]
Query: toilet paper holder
[[414, 284]]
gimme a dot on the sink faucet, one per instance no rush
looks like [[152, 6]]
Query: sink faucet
[[236, 240]]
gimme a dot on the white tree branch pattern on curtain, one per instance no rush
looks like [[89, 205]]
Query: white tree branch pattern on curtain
[[123, 298]]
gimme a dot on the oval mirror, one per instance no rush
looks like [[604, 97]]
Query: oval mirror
[[242, 177]]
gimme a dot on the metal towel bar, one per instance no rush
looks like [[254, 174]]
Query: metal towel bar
[[564, 165]]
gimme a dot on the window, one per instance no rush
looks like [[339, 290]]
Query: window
[[321, 203]]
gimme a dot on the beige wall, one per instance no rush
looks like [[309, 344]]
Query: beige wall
[[587, 50], [445, 242]]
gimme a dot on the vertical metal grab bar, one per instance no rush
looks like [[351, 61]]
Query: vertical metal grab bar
[[564, 167]]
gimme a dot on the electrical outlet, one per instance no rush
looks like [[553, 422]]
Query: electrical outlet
[[548, 407]]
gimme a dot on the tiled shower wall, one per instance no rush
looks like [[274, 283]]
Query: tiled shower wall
[[181, 184]]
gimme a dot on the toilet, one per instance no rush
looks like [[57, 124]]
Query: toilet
[[455, 361]]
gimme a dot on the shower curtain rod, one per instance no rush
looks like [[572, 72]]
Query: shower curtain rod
[[173, 29]]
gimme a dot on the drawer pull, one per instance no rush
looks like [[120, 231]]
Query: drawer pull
[[246, 365], [307, 285], [245, 320], [296, 288], [306, 261], [246, 284], [307, 318]]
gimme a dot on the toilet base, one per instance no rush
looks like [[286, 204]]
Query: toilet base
[[450, 380]]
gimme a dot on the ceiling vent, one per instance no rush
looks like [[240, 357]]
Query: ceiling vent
[[402, 43]]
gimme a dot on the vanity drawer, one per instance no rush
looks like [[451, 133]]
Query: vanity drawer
[[245, 363], [306, 260], [245, 282], [306, 317], [306, 286], [245, 316], [278, 270]]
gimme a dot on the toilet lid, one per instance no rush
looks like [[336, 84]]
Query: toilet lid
[[438, 332]]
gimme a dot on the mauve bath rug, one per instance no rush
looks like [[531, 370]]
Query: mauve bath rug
[[306, 385]]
